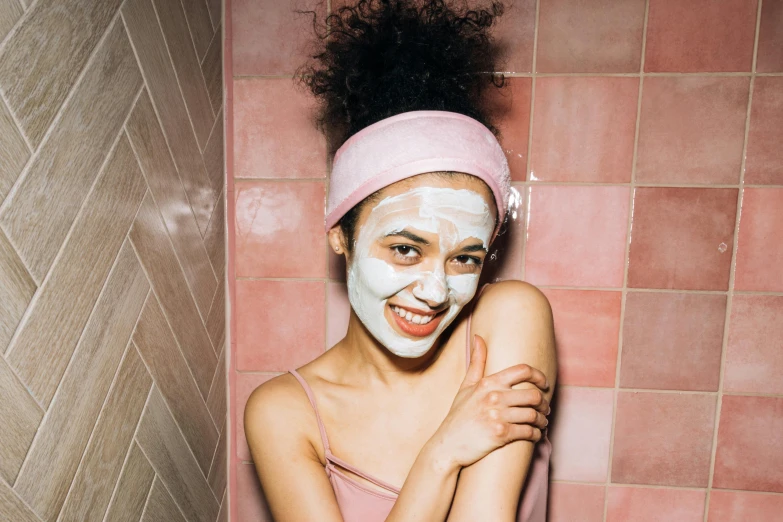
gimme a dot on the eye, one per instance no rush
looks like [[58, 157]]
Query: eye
[[406, 253], [468, 260]]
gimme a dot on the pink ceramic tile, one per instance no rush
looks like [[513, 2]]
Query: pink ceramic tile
[[682, 238], [576, 235], [245, 384], [663, 439], [750, 448], [515, 30], [338, 310], [512, 104], [741, 506], [581, 430], [692, 129], [628, 504], [279, 229], [587, 326], [505, 259], [576, 503], [760, 248], [602, 36], [700, 35], [672, 341], [583, 129], [754, 354], [280, 324], [269, 37], [764, 163], [770, 51], [251, 504], [274, 133]]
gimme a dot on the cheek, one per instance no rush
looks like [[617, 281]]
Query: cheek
[[378, 278], [463, 287]]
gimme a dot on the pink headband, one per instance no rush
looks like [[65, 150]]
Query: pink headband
[[413, 143]]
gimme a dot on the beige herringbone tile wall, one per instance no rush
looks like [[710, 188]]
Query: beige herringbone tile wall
[[112, 364]]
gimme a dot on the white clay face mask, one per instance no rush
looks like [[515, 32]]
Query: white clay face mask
[[453, 216]]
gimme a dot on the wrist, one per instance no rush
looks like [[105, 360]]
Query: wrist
[[440, 458]]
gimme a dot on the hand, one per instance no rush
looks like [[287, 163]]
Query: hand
[[487, 413]]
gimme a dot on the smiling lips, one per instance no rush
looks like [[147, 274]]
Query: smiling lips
[[416, 324]]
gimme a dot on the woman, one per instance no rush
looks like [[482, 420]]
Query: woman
[[433, 407]]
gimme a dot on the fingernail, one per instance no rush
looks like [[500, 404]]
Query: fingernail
[[548, 411]]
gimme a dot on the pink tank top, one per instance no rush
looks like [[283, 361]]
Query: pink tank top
[[358, 503]]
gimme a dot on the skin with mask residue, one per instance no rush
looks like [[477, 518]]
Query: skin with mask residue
[[394, 394], [404, 299]]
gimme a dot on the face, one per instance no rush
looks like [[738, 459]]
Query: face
[[417, 260]]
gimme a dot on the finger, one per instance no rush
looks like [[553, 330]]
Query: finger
[[521, 373], [529, 398], [523, 432], [478, 361], [525, 416]]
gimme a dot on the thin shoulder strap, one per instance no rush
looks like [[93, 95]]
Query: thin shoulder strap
[[468, 339], [311, 397]]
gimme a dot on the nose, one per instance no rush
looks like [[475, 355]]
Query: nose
[[432, 289]]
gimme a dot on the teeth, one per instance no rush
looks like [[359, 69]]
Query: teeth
[[411, 317]]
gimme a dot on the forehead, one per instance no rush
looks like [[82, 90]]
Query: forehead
[[411, 195]]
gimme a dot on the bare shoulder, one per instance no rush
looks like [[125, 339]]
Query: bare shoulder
[[515, 319], [278, 411], [503, 299]]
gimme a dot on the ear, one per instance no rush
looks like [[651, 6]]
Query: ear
[[337, 240]]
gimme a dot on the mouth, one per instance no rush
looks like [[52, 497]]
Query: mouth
[[416, 323]]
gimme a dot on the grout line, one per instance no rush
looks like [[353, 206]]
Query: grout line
[[201, 61], [215, 25], [15, 28], [551, 287], [185, 440], [176, 75], [626, 262], [160, 122], [212, 461], [190, 32], [211, 217], [171, 330], [526, 186], [26, 388], [567, 74], [40, 287], [215, 379], [282, 180], [214, 126], [58, 389], [188, 284], [77, 82], [149, 491], [100, 416], [537, 183], [18, 124], [174, 420], [136, 428], [18, 497], [56, 120], [732, 271]]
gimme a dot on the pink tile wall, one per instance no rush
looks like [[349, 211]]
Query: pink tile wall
[[644, 141]]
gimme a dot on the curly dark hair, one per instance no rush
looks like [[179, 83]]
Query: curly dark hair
[[377, 58]]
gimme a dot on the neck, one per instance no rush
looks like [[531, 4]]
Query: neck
[[363, 355]]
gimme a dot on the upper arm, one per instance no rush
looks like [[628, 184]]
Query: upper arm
[[295, 484], [515, 320]]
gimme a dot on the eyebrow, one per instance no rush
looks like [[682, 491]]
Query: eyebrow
[[408, 235], [474, 248]]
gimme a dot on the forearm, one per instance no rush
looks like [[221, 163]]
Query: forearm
[[429, 489]]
